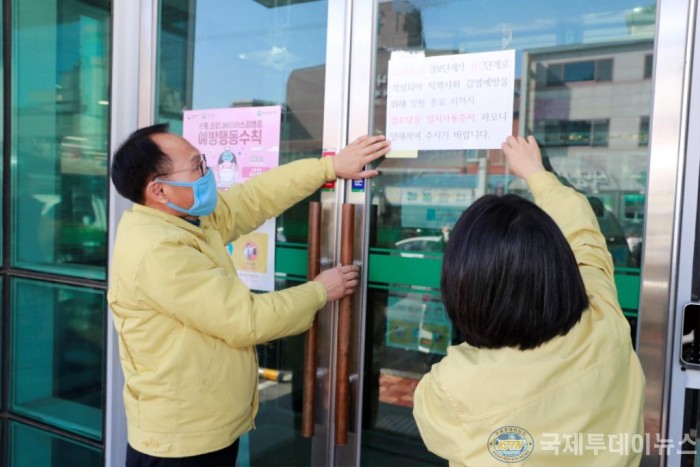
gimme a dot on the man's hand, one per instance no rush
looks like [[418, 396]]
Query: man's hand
[[350, 162], [339, 282], [523, 155]]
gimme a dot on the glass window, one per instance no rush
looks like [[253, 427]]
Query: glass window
[[281, 391], [644, 131], [603, 71], [408, 331], [555, 74], [2, 138], [572, 132], [573, 72], [57, 355], [588, 133], [31, 447], [60, 92], [648, 66], [218, 54], [275, 55], [600, 132], [576, 133], [2, 396], [579, 71]]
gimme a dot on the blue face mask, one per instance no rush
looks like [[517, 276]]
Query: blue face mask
[[204, 192]]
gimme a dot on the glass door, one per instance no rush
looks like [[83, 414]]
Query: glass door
[[215, 54], [583, 88]]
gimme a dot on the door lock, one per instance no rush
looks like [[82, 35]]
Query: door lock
[[690, 337]]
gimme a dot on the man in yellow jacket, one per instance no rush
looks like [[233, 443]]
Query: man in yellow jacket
[[187, 326], [547, 375]]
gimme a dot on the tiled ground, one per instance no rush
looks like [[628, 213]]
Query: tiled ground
[[396, 390]]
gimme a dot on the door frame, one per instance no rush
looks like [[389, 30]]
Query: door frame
[[132, 87], [662, 256], [335, 137]]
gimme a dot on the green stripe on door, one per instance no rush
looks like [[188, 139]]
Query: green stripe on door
[[399, 269]]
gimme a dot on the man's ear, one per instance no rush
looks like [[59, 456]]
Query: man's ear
[[155, 194]]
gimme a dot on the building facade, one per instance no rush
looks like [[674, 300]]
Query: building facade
[[610, 89]]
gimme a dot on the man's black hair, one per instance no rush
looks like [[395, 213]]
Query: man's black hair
[[509, 277], [138, 160]]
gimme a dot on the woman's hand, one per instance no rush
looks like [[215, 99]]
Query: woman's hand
[[523, 156], [350, 162]]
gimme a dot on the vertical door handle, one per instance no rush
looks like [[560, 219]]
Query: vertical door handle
[[314, 268], [342, 393]]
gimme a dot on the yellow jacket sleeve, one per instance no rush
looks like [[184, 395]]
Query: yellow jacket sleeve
[[247, 206], [573, 214], [180, 281], [438, 422]]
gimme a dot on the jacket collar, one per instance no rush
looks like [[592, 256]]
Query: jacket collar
[[169, 218]]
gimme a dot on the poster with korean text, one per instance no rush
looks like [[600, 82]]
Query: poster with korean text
[[462, 101], [240, 143]]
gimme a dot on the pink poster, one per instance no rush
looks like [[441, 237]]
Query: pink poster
[[240, 143]]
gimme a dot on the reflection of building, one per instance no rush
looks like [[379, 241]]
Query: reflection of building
[[305, 99], [589, 108], [402, 30], [398, 29], [583, 103]]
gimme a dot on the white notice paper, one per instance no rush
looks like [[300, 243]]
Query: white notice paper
[[460, 101]]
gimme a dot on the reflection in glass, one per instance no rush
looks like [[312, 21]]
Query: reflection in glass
[[582, 88], [29, 447], [407, 332], [2, 395], [57, 349], [687, 445], [606, 60], [248, 53], [601, 151], [277, 437], [59, 144], [2, 139]]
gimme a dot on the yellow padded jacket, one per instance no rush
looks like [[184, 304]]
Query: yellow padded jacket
[[577, 398], [187, 326]]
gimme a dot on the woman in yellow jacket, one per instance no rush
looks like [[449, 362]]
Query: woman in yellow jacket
[[187, 326], [547, 375]]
